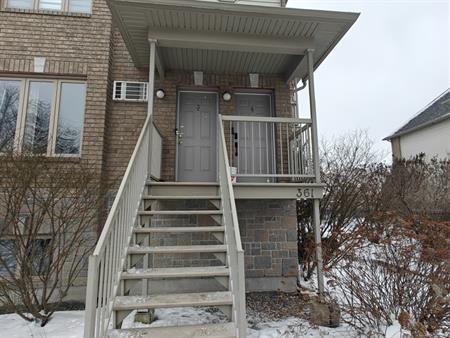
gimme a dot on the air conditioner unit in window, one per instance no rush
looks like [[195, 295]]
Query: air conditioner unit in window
[[130, 91]]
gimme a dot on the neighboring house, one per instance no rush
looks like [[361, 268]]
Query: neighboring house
[[426, 133], [224, 75]]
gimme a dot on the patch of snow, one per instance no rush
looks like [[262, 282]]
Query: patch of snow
[[177, 317], [296, 327], [396, 331], [67, 324], [288, 328]]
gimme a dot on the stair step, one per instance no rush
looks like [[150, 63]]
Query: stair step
[[158, 273], [180, 212], [226, 330], [179, 229], [126, 303], [176, 189], [177, 249], [208, 184], [204, 197]]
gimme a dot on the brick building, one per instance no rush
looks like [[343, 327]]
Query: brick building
[[96, 66]]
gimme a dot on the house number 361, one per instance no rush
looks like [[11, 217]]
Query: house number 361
[[305, 193]]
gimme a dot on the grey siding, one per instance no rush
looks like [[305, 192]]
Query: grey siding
[[272, 3]]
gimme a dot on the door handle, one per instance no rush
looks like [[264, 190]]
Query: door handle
[[179, 134]]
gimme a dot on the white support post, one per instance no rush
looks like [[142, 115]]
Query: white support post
[[91, 298], [151, 76], [312, 103], [318, 242], [315, 142], [151, 96]]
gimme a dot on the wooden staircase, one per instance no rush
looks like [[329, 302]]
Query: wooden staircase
[[148, 258], [149, 281]]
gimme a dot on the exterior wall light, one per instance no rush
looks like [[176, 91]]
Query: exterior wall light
[[160, 94], [226, 96]]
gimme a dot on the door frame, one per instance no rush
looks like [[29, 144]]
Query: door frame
[[196, 91], [271, 94]]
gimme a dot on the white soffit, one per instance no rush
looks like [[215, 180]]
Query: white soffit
[[211, 36]]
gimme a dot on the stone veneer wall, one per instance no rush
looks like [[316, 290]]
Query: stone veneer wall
[[269, 237]]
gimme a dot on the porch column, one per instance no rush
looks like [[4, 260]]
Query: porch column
[[150, 100], [315, 141], [151, 76]]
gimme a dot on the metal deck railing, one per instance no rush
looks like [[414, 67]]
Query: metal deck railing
[[269, 147]]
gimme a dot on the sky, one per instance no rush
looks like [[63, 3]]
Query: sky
[[392, 63]]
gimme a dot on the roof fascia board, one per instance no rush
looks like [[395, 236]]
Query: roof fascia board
[[424, 125], [300, 69], [249, 10], [229, 41]]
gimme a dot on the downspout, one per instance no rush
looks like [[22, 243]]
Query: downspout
[[303, 86], [296, 90]]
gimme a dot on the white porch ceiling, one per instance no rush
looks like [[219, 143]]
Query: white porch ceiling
[[219, 37], [225, 61]]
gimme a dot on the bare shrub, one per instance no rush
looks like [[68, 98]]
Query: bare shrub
[[418, 187], [404, 272], [48, 212], [403, 275], [353, 180]]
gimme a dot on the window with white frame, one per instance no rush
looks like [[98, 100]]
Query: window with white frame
[[73, 6], [42, 116]]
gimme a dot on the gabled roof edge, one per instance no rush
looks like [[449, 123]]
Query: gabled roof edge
[[424, 125], [398, 132]]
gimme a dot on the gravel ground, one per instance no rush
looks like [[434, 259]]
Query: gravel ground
[[272, 306]]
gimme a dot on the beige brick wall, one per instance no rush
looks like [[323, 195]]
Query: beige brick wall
[[126, 119], [75, 46], [87, 47]]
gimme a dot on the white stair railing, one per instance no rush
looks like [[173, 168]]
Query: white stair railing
[[107, 261], [233, 238]]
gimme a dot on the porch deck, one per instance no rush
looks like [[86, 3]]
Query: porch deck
[[242, 191]]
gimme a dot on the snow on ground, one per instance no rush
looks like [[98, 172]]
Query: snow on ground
[[288, 328], [296, 328], [67, 324], [70, 325]]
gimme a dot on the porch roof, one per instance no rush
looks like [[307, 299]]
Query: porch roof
[[219, 37]]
